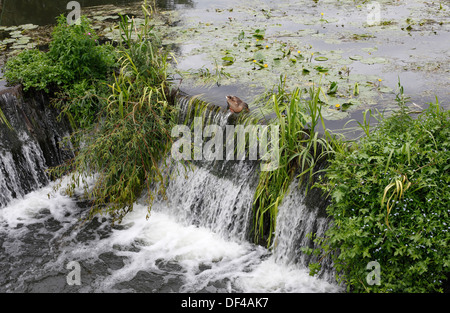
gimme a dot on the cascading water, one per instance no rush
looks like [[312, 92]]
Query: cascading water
[[296, 220], [198, 197], [195, 240], [30, 146]]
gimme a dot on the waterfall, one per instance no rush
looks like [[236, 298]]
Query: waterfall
[[197, 239], [219, 195], [31, 146], [21, 171], [205, 196], [296, 221]]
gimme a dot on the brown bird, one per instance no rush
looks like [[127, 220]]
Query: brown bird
[[236, 105]]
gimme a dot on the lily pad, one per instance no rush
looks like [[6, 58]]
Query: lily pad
[[345, 106], [385, 89], [18, 46], [28, 26], [322, 58], [355, 57], [333, 41], [344, 62], [12, 28], [228, 60], [8, 40], [321, 69], [370, 49], [374, 60], [332, 114], [16, 34], [23, 40]]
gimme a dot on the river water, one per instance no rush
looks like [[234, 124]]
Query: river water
[[42, 233]]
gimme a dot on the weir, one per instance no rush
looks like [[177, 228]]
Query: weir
[[208, 195], [219, 195]]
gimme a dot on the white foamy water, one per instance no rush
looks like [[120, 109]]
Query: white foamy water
[[161, 254], [295, 222], [244, 267], [31, 169]]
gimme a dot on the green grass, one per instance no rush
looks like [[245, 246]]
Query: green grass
[[4, 120]]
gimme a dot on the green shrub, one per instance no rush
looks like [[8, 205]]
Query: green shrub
[[390, 204], [76, 48], [34, 69], [76, 68], [74, 56], [82, 102]]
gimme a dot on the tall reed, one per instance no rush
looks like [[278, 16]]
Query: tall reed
[[301, 148]]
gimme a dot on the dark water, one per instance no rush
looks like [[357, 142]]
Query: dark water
[[43, 12]]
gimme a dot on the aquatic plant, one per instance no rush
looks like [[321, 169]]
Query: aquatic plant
[[213, 76]]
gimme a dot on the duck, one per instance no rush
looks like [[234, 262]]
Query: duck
[[236, 105]]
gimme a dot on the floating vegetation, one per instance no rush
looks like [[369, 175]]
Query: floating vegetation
[[374, 60], [294, 43]]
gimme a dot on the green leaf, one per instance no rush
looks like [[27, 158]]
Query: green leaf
[[338, 195], [333, 88], [241, 35]]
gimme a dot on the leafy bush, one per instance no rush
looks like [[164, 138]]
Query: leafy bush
[[76, 48], [390, 204], [34, 69], [74, 56], [76, 67], [82, 101]]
